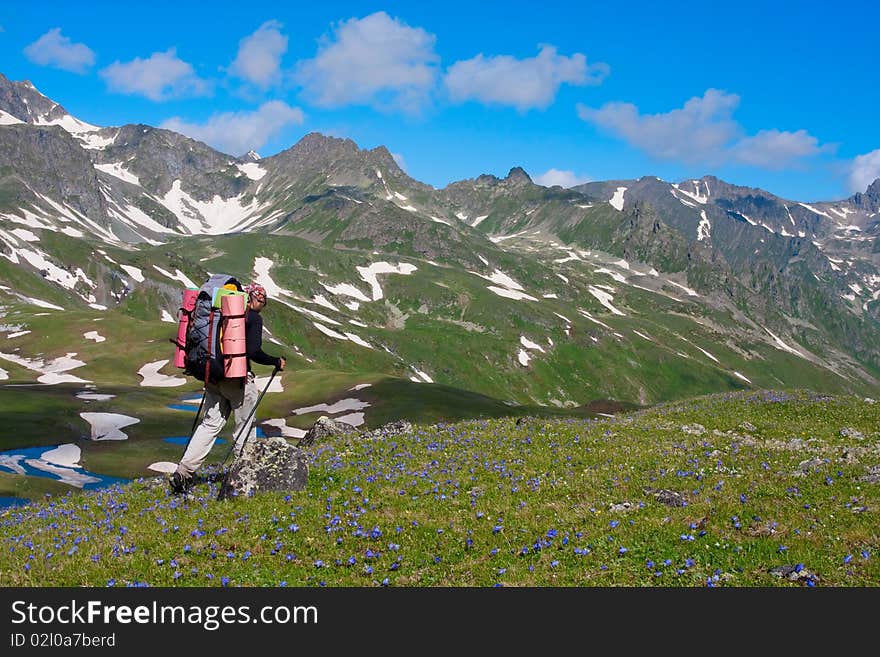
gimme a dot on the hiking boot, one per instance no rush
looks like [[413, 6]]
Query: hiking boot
[[178, 483]]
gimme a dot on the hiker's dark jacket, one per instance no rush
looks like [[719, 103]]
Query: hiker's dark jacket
[[253, 329]]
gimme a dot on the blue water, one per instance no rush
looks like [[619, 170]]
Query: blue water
[[184, 407], [8, 502], [102, 481], [183, 440], [9, 463]]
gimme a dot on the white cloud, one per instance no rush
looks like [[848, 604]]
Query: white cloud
[[238, 132], [864, 170], [259, 56], [160, 77], [376, 60], [696, 132], [773, 149], [562, 178], [702, 131], [522, 83], [56, 50]]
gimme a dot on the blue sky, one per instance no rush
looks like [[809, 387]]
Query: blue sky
[[782, 95]]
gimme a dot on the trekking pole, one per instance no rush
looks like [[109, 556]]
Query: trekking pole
[[248, 419]]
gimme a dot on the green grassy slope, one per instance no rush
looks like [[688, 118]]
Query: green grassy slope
[[765, 488]]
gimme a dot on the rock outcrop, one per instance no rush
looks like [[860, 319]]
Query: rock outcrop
[[270, 464], [324, 427]]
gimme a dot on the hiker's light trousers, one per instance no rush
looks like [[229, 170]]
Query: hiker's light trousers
[[228, 395]]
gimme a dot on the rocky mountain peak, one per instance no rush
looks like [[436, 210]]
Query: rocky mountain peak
[[23, 101], [518, 175], [382, 156], [315, 147], [713, 181], [251, 156], [485, 179], [870, 199], [317, 141]]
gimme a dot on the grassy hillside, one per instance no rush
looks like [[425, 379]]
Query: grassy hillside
[[533, 329], [764, 488]]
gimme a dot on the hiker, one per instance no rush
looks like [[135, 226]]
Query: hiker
[[238, 396]]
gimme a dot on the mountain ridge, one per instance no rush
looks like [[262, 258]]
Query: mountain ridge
[[623, 279]]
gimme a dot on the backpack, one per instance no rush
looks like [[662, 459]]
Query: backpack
[[203, 354], [184, 313]]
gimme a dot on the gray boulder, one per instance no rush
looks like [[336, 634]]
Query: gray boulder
[[694, 429], [323, 428], [396, 428], [849, 432], [667, 497], [270, 464], [796, 573]]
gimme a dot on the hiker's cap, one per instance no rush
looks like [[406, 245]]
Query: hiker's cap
[[256, 291]]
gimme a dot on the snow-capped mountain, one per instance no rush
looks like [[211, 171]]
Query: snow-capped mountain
[[633, 289]]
